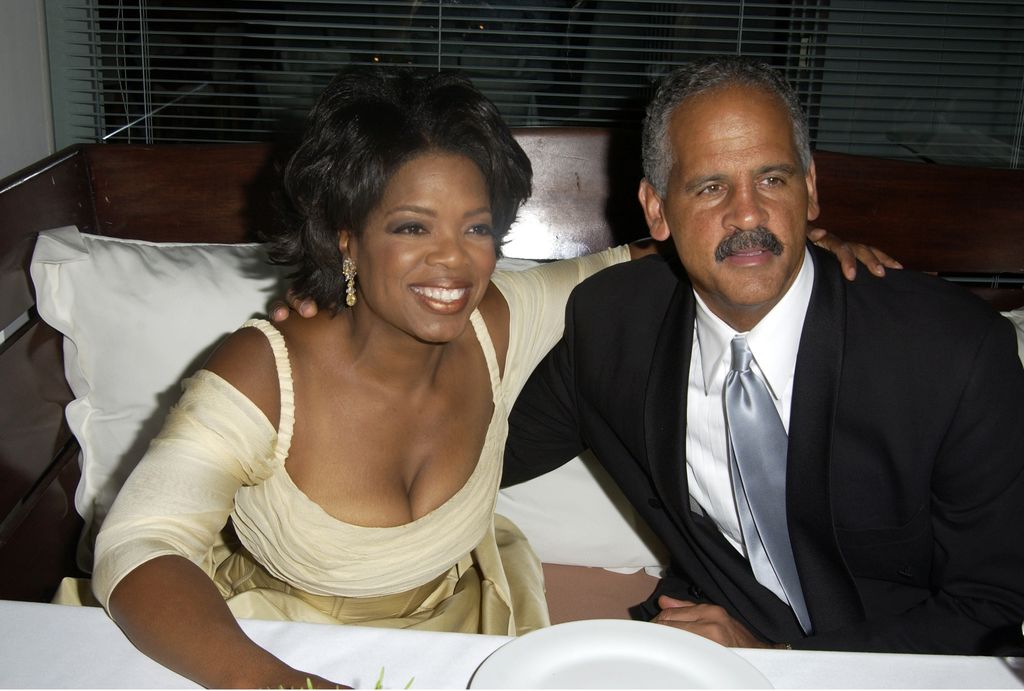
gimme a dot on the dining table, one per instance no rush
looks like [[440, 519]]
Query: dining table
[[60, 646]]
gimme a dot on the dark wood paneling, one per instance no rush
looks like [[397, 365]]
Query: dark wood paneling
[[932, 217], [584, 193], [32, 426], [51, 193], [43, 549], [39, 527], [1002, 299], [178, 193]]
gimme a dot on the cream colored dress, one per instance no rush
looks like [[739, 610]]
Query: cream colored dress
[[457, 568]]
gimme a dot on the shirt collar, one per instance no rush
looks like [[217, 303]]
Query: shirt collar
[[773, 342]]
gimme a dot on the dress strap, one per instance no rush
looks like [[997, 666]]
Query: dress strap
[[484, 337], [286, 423]]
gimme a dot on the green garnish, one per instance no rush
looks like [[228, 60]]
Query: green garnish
[[378, 685], [380, 681]]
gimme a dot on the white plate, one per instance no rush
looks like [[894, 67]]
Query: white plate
[[614, 653]]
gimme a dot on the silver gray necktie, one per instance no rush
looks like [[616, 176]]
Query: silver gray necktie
[[757, 456]]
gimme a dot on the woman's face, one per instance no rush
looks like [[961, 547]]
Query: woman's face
[[426, 255]]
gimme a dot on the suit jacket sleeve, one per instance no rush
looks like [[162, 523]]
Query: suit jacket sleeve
[[543, 425]]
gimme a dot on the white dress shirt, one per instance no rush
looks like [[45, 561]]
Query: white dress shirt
[[773, 342]]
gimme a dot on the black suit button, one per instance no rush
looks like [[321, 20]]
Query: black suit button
[[905, 571], [654, 503], [695, 592]]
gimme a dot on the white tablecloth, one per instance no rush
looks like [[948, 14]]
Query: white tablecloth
[[53, 646]]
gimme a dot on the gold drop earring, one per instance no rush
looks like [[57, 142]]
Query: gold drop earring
[[348, 270]]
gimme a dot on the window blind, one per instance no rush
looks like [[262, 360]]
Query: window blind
[[914, 79]]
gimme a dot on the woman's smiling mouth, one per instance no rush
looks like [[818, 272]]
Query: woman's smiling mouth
[[442, 299]]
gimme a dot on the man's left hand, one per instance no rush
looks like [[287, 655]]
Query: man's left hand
[[280, 309], [709, 621]]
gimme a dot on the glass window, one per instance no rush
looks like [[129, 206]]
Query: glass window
[[914, 79]]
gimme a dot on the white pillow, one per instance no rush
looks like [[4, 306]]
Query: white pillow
[[577, 515], [1017, 318], [137, 317]]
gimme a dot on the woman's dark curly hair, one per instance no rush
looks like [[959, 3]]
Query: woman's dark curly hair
[[366, 123]]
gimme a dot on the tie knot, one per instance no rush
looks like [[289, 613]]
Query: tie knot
[[740, 354]]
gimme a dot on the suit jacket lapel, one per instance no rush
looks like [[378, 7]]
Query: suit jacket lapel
[[665, 403], [829, 590]]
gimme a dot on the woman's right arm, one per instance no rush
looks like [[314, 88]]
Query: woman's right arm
[[171, 611], [153, 554]]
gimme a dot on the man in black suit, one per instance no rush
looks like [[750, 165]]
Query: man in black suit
[[902, 477]]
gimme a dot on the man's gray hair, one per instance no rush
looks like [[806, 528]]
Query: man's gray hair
[[701, 76]]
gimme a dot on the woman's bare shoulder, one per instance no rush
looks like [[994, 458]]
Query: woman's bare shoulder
[[245, 360]]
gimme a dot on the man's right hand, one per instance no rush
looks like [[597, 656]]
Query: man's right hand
[[709, 621], [280, 309]]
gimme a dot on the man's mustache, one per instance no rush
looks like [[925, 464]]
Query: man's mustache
[[759, 238]]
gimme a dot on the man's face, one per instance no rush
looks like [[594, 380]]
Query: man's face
[[737, 201]]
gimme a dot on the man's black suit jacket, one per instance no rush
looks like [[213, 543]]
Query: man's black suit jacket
[[905, 484]]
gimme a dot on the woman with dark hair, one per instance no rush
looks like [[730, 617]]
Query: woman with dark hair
[[357, 453], [366, 124]]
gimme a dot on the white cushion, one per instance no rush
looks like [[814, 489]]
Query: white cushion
[[1017, 318], [577, 515], [139, 316]]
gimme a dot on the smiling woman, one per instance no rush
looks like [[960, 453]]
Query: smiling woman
[[355, 456]]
